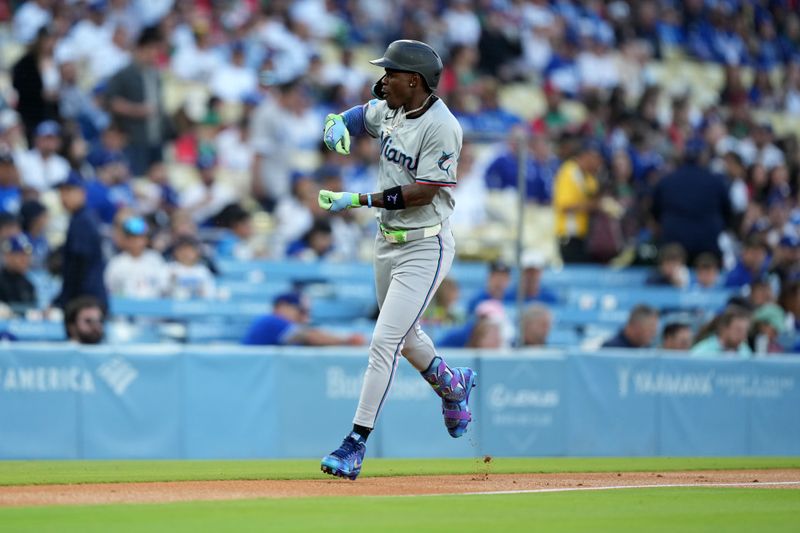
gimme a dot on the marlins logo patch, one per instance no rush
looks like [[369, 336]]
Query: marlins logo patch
[[446, 161]]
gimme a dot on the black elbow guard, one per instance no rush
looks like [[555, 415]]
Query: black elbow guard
[[393, 198]]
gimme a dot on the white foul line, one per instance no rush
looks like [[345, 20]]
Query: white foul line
[[616, 487]]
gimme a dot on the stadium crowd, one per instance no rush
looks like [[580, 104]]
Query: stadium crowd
[[141, 141]]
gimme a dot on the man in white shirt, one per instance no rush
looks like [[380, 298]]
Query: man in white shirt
[[198, 60], [280, 129], [233, 81], [92, 33], [41, 167], [136, 272], [208, 196]]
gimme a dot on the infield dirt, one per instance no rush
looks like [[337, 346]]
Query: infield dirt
[[480, 482]]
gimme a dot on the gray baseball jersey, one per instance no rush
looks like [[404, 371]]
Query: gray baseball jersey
[[422, 150]]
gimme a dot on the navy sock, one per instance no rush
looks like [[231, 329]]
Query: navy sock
[[362, 431]]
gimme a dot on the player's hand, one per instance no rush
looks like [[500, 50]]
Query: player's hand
[[337, 201], [335, 134]]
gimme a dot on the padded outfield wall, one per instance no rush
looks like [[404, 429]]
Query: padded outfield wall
[[63, 401]]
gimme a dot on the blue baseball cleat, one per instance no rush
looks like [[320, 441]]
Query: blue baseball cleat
[[457, 414], [346, 461]]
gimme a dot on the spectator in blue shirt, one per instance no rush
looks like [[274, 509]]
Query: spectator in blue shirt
[[693, 220], [532, 264], [33, 219], [83, 264], [639, 331], [496, 285], [752, 264], [286, 325], [541, 166], [10, 194], [111, 190]]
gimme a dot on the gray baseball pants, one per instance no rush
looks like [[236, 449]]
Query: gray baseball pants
[[406, 278]]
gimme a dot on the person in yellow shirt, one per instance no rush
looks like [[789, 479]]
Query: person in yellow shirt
[[574, 198]]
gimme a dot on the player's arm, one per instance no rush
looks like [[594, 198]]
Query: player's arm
[[317, 337], [400, 197]]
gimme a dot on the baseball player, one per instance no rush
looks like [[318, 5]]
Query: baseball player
[[420, 142]]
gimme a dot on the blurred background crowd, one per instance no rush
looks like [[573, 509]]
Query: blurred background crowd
[[148, 145]]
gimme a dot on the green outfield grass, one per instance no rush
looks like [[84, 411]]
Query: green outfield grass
[[620, 511], [48, 472]]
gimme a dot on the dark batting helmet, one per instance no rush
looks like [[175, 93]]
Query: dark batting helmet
[[413, 56]]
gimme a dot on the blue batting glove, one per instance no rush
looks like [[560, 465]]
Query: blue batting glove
[[337, 201], [335, 135]]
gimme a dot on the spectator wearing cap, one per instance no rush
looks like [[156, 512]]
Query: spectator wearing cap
[[15, 287], [112, 140], [729, 338], [706, 272], [90, 33], [785, 262], [574, 198], [233, 80], [111, 190], [751, 265], [35, 80], [489, 327], [188, 277], [676, 336], [694, 220], [33, 219], [82, 264], [639, 331], [136, 271], [41, 167], [532, 264], [497, 284], [208, 196], [136, 103], [10, 192], [286, 325], [84, 320]]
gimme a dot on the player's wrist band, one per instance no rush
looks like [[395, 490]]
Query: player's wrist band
[[369, 200], [393, 198], [355, 199]]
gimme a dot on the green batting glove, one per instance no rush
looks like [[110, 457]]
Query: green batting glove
[[337, 201], [335, 135]]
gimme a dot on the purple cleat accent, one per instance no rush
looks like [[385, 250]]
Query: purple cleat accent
[[346, 460], [454, 386]]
